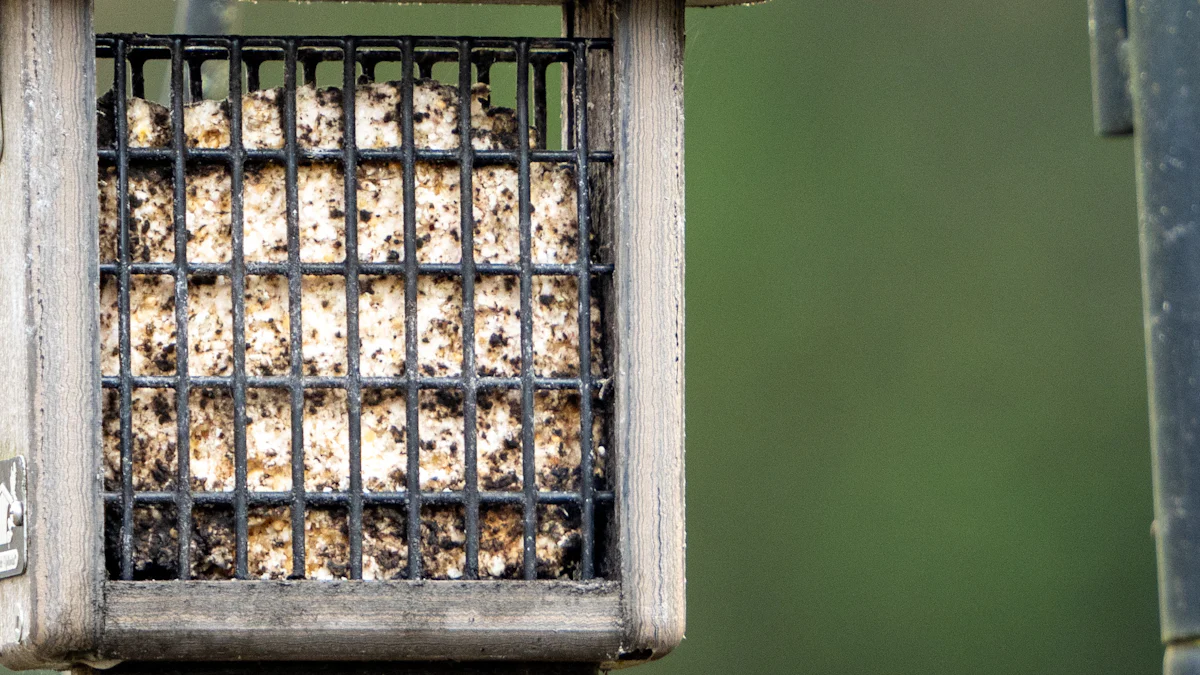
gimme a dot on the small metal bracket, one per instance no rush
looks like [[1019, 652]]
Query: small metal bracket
[[13, 521], [1112, 107]]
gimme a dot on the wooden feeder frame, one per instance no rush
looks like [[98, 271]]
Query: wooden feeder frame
[[62, 610]]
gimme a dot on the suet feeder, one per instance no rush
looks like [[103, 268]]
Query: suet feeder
[[272, 393]]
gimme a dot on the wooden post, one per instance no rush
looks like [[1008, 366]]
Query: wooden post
[[49, 286], [645, 232], [648, 40]]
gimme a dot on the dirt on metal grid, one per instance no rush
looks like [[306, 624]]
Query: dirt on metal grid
[[273, 262]]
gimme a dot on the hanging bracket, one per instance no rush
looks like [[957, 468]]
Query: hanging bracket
[[1112, 107]]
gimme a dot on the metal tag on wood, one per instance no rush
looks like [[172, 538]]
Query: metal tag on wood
[[12, 517]]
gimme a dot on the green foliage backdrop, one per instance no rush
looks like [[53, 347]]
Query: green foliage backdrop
[[917, 434]]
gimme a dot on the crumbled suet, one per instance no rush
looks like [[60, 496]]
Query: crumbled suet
[[320, 192]]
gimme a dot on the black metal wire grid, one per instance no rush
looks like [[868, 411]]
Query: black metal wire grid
[[473, 56]]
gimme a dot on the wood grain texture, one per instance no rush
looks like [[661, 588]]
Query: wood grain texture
[[474, 620], [690, 3], [342, 668], [49, 382], [649, 217]]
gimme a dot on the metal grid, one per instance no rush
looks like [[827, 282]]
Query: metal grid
[[359, 57]]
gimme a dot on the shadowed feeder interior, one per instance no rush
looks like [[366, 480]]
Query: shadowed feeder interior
[[315, 362]]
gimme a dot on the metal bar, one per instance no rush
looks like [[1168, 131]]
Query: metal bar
[[466, 207], [569, 134], [539, 103], [1112, 110], [238, 290], [1164, 46], [583, 194], [295, 325], [482, 157], [412, 438], [326, 49], [120, 112], [337, 269], [483, 71], [334, 382], [183, 480], [525, 206], [342, 499], [253, 72], [310, 71], [137, 66], [196, 78], [353, 384]]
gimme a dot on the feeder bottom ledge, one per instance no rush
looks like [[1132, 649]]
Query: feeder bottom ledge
[[337, 668]]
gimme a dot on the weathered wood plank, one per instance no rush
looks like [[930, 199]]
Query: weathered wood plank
[[342, 668], [649, 217], [690, 3], [306, 620], [49, 377]]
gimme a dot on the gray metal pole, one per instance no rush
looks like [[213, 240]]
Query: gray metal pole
[[1162, 59]]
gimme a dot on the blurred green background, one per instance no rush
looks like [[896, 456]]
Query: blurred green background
[[917, 437]]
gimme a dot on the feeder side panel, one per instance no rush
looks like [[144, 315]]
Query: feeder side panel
[[1112, 110], [49, 380], [648, 56]]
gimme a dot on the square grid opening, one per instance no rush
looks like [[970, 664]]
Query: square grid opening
[[312, 355]]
